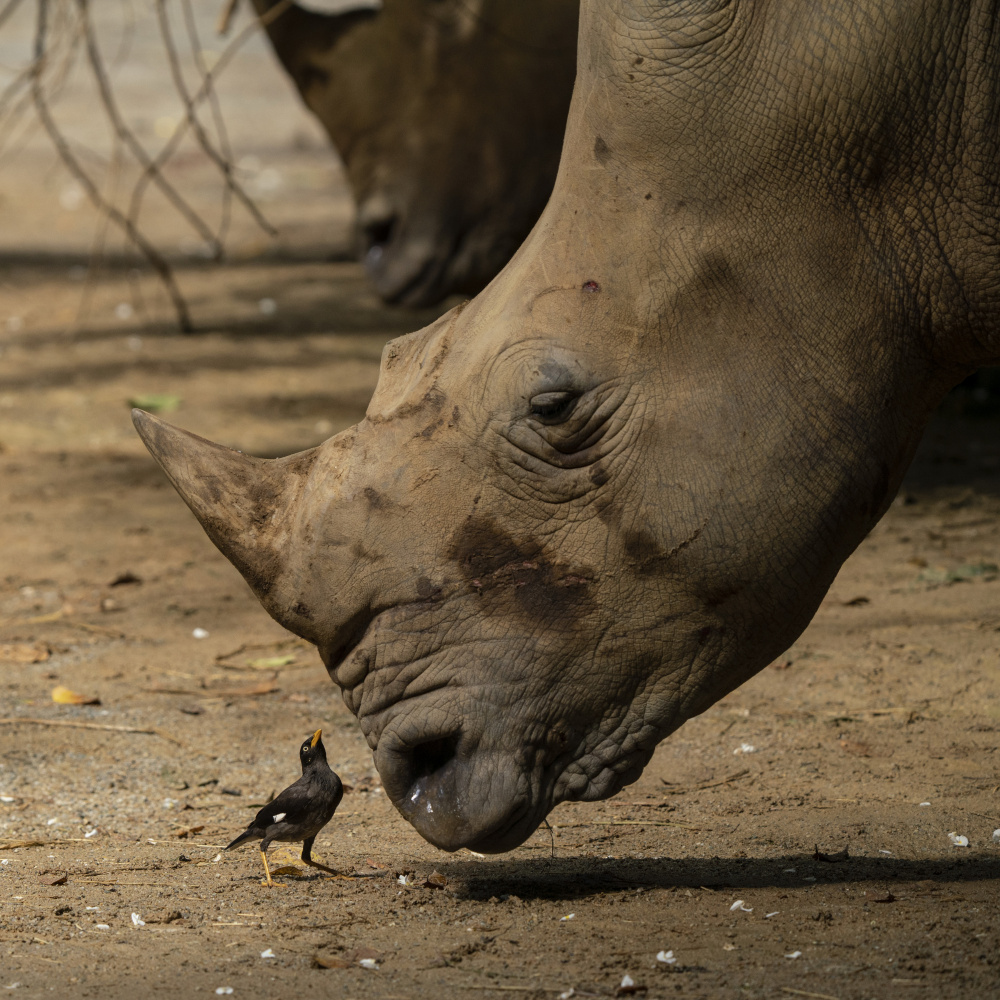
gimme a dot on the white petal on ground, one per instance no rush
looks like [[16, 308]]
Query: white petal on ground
[[739, 905], [137, 921], [958, 840], [627, 981], [368, 963], [267, 953], [666, 956], [200, 633]]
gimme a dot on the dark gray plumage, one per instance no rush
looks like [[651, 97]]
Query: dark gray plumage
[[301, 810]]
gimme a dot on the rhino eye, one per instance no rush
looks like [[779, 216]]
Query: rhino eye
[[553, 406]]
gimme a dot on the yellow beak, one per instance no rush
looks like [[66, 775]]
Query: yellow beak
[[316, 736]]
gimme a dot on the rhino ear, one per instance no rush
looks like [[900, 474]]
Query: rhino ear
[[244, 503]]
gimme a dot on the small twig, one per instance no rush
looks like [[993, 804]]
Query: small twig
[[12, 5], [552, 835], [804, 993], [225, 16], [698, 788], [70, 724]]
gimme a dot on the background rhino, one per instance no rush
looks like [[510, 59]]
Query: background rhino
[[618, 483], [449, 116]]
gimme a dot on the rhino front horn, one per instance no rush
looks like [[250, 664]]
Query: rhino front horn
[[244, 503]]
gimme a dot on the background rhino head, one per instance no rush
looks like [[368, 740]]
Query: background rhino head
[[615, 485], [449, 117]]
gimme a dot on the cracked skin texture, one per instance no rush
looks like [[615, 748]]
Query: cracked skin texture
[[573, 519]]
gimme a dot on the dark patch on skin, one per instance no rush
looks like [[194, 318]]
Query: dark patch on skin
[[301, 610], [428, 431], [426, 589], [703, 634], [363, 554], [491, 561], [376, 500], [454, 416], [601, 151], [591, 286], [598, 474]]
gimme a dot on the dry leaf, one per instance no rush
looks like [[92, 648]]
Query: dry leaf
[[292, 870], [184, 834], [435, 881], [271, 662], [63, 696], [321, 961], [24, 652], [59, 879]]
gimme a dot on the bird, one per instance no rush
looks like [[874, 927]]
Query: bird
[[301, 810]]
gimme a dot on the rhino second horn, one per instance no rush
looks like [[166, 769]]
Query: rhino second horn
[[243, 503]]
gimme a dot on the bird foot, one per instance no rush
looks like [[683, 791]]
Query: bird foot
[[273, 885]]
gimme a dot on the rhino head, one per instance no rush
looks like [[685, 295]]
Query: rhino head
[[616, 484], [449, 117]]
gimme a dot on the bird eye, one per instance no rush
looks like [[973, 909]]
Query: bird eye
[[553, 406]]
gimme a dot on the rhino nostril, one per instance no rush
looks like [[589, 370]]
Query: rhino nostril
[[376, 234], [427, 759]]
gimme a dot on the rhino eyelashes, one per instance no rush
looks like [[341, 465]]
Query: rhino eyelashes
[[553, 407]]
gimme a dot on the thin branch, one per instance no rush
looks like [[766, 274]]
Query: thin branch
[[223, 164], [225, 17], [72, 724], [170, 147], [131, 143], [72, 164], [12, 6]]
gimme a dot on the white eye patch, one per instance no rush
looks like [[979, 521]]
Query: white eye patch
[[278, 817]]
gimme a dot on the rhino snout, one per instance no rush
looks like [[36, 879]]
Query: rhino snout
[[453, 791]]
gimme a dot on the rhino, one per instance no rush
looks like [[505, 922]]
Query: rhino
[[449, 117], [616, 484]]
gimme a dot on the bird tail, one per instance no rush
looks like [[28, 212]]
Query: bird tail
[[248, 834]]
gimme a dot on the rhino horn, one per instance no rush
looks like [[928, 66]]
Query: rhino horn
[[244, 503], [296, 32]]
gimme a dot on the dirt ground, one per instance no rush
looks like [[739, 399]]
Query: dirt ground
[[876, 735]]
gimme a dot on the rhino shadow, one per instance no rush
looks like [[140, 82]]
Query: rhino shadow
[[578, 877]]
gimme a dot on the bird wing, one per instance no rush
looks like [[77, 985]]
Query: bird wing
[[294, 806]]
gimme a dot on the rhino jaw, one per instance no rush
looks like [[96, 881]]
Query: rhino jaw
[[243, 503]]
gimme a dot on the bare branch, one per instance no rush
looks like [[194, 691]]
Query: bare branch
[[131, 143], [225, 167], [170, 147], [73, 165]]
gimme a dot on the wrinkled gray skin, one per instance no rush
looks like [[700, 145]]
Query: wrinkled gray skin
[[449, 116], [577, 515]]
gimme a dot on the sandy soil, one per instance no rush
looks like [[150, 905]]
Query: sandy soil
[[877, 733]]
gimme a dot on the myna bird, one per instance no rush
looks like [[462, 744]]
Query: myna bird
[[301, 810]]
